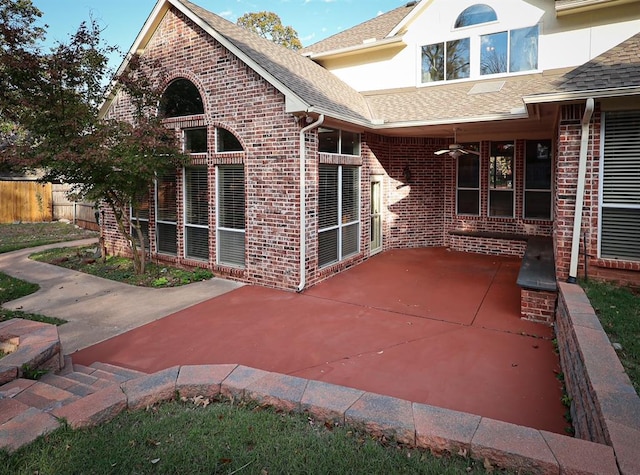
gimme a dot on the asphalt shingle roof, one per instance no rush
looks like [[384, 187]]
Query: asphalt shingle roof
[[306, 79], [615, 68], [445, 102], [377, 28]]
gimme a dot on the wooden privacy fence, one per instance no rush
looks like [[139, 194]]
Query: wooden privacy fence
[[25, 201], [29, 201]]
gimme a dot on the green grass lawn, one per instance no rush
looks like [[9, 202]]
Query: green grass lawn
[[182, 437], [618, 309], [23, 235], [11, 289]]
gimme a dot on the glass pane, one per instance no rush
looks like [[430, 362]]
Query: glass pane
[[328, 140], [195, 140], [501, 203], [458, 59], [197, 241], [231, 247], [469, 202], [197, 196], [475, 15], [433, 63], [537, 204], [501, 165], [620, 233], [350, 239], [328, 197], [167, 238], [142, 209], [144, 228], [181, 98], [350, 143], [469, 171], [524, 49], [538, 165], [350, 194], [227, 142], [493, 53], [327, 247], [231, 197], [167, 198]]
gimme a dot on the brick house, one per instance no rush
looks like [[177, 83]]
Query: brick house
[[468, 125]]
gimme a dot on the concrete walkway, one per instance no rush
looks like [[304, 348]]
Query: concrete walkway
[[97, 309]]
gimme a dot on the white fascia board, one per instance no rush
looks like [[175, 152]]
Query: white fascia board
[[582, 95], [410, 17], [567, 7], [379, 44], [520, 114]]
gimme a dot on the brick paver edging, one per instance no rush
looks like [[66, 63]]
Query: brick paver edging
[[440, 430], [605, 408]]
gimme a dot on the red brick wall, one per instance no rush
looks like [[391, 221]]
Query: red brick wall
[[485, 223], [566, 182]]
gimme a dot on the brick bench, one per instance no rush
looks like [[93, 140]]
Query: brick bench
[[537, 281], [487, 242]]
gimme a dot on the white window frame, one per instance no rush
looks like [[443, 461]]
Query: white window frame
[[165, 222], [601, 202], [511, 190], [340, 226], [187, 225], [220, 229], [478, 189], [538, 190], [339, 144]]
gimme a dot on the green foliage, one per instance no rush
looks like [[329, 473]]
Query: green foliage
[[120, 269], [618, 309], [29, 372], [269, 26], [183, 437], [57, 125]]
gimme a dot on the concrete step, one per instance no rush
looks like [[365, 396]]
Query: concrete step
[[80, 395]]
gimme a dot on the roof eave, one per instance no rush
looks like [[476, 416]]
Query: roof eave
[[513, 115], [581, 95], [568, 7], [365, 47]]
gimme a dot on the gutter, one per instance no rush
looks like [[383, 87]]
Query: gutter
[[582, 175], [303, 203]]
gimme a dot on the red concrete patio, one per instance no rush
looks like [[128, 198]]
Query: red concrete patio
[[426, 325]]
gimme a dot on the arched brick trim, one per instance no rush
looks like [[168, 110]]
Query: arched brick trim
[[190, 76]]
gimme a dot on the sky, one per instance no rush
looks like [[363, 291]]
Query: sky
[[122, 20]]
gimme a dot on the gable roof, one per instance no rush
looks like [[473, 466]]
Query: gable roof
[[615, 72], [306, 86], [376, 29]]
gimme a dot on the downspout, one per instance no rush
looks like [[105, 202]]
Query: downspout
[[303, 202], [582, 175]]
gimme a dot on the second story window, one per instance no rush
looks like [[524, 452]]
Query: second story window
[[195, 140], [487, 48]]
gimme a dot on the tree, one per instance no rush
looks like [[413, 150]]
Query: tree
[[111, 162], [269, 26]]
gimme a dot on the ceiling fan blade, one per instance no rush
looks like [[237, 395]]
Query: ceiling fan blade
[[440, 152], [472, 151]]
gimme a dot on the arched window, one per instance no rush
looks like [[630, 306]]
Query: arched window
[[181, 98], [475, 15]]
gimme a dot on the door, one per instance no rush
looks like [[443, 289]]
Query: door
[[376, 217]]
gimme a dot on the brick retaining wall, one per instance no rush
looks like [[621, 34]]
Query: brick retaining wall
[[605, 407]]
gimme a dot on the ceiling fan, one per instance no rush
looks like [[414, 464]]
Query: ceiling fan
[[455, 149]]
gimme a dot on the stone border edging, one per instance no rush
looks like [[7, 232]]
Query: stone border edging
[[418, 425], [605, 407], [38, 348]]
